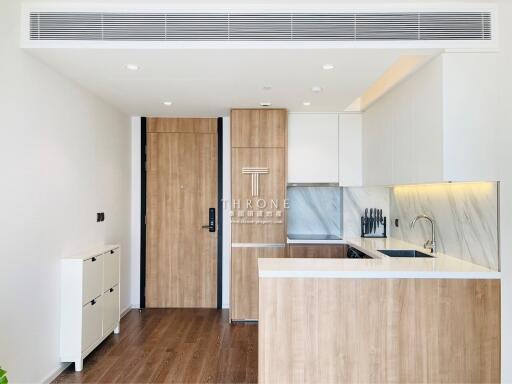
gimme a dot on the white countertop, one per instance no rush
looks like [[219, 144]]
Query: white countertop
[[381, 266]]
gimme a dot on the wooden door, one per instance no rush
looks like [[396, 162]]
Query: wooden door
[[181, 255]]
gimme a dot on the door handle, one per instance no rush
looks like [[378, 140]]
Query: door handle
[[211, 220]]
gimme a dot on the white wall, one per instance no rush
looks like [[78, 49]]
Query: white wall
[[65, 155]]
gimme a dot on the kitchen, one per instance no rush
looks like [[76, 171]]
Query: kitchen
[[327, 212], [419, 262]]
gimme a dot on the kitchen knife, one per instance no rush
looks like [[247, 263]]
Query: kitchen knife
[[366, 221], [371, 220], [378, 218]]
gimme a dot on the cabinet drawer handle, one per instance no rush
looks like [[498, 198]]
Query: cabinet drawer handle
[[112, 251], [93, 259], [111, 289], [93, 302]]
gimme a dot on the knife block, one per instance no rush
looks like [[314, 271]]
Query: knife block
[[373, 234]]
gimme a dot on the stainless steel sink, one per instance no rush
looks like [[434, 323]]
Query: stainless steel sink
[[403, 253]]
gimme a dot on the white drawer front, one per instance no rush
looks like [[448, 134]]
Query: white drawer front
[[110, 310], [93, 278], [91, 322], [110, 269]]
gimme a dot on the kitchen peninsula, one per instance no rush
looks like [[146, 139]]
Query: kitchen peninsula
[[385, 319]]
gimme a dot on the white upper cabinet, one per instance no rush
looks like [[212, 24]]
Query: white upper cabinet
[[471, 116], [403, 131], [350, 149], [313, 148], [438, 125]]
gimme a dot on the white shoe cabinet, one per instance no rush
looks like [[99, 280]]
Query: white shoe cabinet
[[89, 302]]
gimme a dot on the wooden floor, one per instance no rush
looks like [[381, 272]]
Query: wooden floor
[[173, 346]]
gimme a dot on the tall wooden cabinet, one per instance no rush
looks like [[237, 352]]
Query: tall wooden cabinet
[[258, 193]]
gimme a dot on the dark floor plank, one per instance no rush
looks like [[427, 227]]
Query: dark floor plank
[[173, 346]]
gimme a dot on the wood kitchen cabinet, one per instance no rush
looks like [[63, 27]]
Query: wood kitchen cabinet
[[371, 330], [258, 193], [318, 251], [271, 190], [258, 128], [244, 280]]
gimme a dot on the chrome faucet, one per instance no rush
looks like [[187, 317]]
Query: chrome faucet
[[430, 244]]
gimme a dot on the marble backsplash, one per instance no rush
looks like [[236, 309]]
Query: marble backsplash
[[355, 200], [314, 210], [466, 216]]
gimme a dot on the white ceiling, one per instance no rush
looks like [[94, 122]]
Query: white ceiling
[[209, 82]]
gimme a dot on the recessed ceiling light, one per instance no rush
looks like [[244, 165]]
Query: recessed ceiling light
[[306, 103], [317, 89], [328, 67], [132, 67], [267, 88], [265, 104], [168, 103]]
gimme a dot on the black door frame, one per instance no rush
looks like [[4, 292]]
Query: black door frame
[[143, 191]]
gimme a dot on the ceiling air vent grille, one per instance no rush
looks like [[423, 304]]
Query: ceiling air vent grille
[[324, 26], [194, 26], [260, 26], [133, 26], [388, 26]]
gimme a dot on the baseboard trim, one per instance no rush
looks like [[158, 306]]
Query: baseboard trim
[[125, 311], [56, 373], [64, 366]]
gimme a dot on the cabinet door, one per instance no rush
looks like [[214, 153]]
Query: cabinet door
[[321, 251], [91, 322], [313, 148], [92, 278], [261, 195], [351, 149], [244, 280], [258, 128], [110, 269], [110, 309]]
